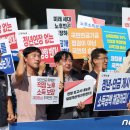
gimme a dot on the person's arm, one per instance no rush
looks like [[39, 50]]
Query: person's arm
[[125, 66], [11, 118], [128, 105], [89, 63], [60, 75], [81, 106], [20, 68]]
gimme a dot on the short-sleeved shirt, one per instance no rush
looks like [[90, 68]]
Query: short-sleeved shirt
[[94, 75], [26, 111]]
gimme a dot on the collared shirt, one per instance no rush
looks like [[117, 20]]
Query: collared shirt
[[68, 78], [26, 111]]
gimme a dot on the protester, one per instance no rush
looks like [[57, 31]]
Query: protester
[[28, 66], [99, 61], [125, 67], [6, 109], [127, 52], [63, 62]]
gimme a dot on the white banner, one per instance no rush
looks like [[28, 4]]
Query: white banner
[[78, 91], [8, 28], [126, 19], [46, 40], [89, 22], [61, 19], [45, 90], [113, 91]]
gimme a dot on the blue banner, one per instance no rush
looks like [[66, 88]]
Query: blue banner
[[112, 101], [113, 91], [116, 42], [14, 55], [7, 64], [107, 123]]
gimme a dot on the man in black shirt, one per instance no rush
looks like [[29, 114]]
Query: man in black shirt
[[6, 109], [64, 69], [99, 61]]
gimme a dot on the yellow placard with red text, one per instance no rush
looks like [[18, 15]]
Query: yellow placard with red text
[[83, 40]]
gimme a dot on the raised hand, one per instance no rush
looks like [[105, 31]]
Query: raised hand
[[42, 67], [81, 105], [20, 55]]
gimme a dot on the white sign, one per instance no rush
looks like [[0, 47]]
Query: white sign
[[61, 19], [78, 91], [8, 28], [89, 22], [45, 90], [126, 19], [113, 91], [46, 40]]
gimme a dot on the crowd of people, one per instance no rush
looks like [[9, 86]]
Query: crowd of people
[[67, 69]]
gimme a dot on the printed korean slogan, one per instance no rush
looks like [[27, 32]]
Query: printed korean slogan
[[61, 19], [45, 90], [89, 22], [6, 64], [116, 42], [113, 91], [46, 40], [82, 41], [78, 91]]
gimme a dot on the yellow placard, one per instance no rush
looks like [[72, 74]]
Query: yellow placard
[[83, 40]]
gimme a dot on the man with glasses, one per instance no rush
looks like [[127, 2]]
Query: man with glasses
[[99, 62], [64, 70]]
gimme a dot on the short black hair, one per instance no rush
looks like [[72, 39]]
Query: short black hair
[[59, 55], [29, 50], [96, 52], [127, 52]]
